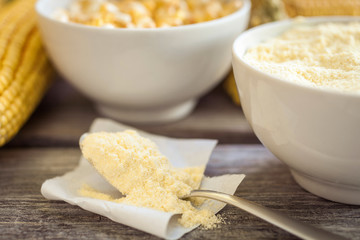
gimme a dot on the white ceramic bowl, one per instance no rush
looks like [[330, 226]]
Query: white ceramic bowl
[[316, 132], [142, 75]]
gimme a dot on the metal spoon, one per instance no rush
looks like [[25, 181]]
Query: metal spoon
[[290, 225]]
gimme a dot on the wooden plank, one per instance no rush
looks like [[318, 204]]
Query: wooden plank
[[64, 115], [25, 214]]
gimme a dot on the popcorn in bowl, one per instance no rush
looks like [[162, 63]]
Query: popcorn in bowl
[[141, 75], [145, 13]]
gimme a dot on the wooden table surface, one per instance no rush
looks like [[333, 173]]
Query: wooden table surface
[[47, 147]]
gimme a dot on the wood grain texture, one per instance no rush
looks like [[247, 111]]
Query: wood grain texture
[[64, 115], [25, 214]]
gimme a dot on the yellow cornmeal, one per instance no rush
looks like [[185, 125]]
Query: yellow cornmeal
[[135, 166], [324, 55]]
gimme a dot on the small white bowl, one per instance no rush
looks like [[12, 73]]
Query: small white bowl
[[142, 75], [316, 132]]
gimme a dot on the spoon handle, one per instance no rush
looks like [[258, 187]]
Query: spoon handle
[[290, 225]]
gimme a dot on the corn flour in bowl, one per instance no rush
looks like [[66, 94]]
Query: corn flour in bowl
[[298, 82]]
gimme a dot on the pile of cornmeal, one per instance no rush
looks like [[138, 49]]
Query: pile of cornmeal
[[135, 166]]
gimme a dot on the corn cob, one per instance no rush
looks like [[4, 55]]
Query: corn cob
[[2, 2], [25, 71], [322, 7]]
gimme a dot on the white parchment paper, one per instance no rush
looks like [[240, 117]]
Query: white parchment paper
[[180, 152]]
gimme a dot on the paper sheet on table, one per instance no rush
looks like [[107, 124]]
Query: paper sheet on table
[[180, 152]]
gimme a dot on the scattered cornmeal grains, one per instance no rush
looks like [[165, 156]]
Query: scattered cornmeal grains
[[135, 166]]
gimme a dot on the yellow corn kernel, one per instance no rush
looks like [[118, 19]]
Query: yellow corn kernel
[[171, 13], [149, 4], [25, 70], [138, 12]]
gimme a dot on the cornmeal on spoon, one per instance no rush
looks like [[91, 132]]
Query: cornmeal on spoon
[[135, 166]]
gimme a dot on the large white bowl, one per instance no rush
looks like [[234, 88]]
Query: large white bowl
[[142, 75], [316, 132]]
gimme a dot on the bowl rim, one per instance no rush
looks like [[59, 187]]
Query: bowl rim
[[245, 9], [239, 49]]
